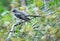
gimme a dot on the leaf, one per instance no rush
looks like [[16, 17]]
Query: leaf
[[39, 3], [5, 12]]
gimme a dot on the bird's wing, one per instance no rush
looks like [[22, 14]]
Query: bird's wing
[[22, 16]]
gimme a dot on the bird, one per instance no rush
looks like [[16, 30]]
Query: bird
[[23, 15]]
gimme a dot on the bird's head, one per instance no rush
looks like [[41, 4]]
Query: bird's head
[[14, 11]]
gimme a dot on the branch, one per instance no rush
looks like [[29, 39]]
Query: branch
[[45, 6], [12, 30], [23, 3]]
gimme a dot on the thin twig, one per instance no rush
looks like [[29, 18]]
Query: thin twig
[[12, 30]]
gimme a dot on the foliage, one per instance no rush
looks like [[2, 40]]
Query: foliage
[[45, 28]]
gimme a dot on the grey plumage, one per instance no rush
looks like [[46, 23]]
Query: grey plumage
[[21, 15]]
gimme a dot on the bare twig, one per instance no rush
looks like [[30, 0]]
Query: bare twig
[[12, 30], [45, 6], [23, 3]]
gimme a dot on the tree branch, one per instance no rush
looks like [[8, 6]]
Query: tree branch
[[12, 30]]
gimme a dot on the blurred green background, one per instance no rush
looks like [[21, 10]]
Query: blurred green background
[[38, 29]]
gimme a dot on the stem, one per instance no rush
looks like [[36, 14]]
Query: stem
[[12, 30]]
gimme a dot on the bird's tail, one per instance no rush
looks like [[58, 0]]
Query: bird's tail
[[34, 16]]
